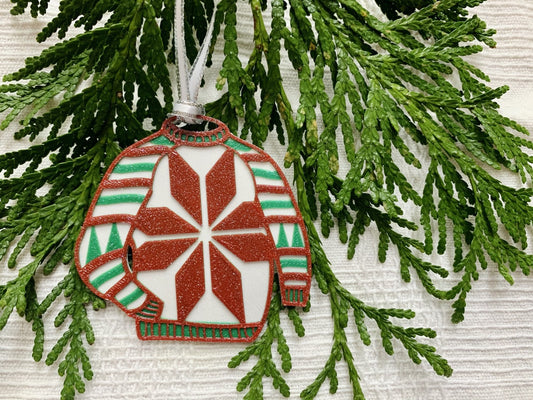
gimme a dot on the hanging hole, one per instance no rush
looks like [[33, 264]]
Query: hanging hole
[[129, 258]]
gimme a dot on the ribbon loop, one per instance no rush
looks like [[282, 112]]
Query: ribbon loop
[[187, 108]]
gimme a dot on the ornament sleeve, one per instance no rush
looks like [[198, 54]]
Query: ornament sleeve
[[102, 252], [283, 218]]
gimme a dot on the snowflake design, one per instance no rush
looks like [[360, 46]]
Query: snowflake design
[[191, 237]]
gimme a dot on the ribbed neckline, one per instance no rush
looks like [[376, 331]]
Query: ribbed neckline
[[196, 138]]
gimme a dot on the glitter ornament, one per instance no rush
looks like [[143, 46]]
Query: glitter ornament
[[188, 229], [186, 233]]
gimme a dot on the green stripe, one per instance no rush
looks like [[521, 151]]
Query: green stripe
[[130, 298], [236, 145], [162, 140], [265, 173], [112, 273], [137, 167], [120, 198], [269, 204], [294, 262]]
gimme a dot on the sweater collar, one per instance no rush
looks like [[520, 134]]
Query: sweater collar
[[182, 136]]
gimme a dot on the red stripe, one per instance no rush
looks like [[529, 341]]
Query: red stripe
[[259, 157], [112, 293], [272, 189], [282, 219], [99, 261], [123, 183], [109, 219], [294, 276], [292, 251], [159, 150]]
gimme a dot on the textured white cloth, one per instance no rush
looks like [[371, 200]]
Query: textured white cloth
[[491, 351]]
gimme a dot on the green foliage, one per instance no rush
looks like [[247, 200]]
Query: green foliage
[[262, 349], [390, 91], [342, 303], [76, 356]]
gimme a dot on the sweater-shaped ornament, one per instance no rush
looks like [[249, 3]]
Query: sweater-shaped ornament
[[186, 231]]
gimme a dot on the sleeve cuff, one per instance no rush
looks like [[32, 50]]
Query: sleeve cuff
[[294, 296]]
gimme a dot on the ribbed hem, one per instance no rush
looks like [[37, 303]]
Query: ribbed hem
[[212, 333]]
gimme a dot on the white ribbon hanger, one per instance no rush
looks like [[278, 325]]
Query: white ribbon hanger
[[187, 109]]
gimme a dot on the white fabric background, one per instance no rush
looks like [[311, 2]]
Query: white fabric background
[[491, 351]]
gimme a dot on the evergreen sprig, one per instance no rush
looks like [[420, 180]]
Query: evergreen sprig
[[262, 349], [343, 302], [90, 95]]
